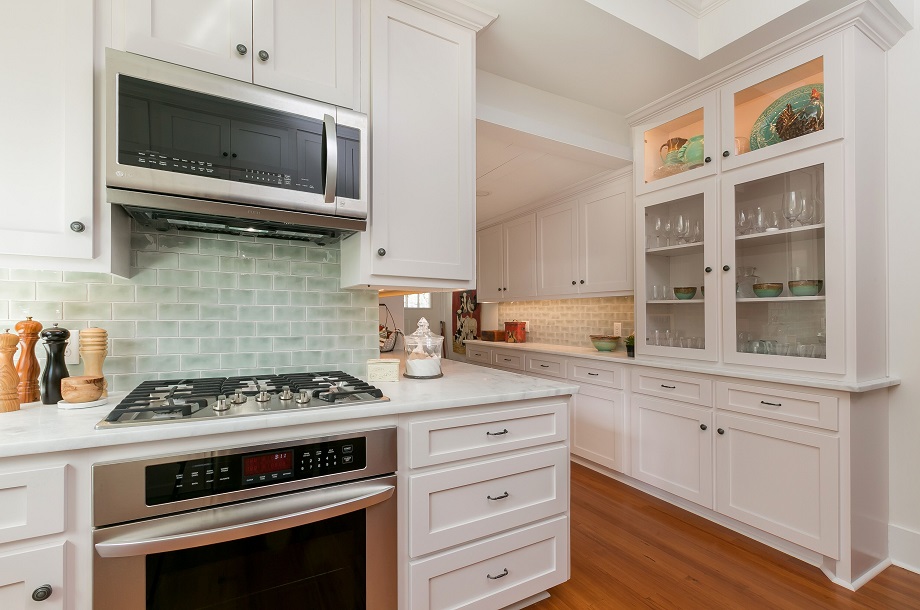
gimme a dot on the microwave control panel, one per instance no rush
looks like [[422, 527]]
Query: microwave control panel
[[184, 479]]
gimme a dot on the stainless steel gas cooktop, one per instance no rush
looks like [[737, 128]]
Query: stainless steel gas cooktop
[[176, 400]]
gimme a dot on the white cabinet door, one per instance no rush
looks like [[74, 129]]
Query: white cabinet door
[[422, 114], [557, 249], [305, 47], [23, 573], [46, 118], [520, 237], [672, 447], [490, 258], [205, 34], [781, 479], [605, 240], [599, 426]]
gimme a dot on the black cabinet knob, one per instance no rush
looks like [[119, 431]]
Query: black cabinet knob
[[233, 155], [720, 431], [77, 226], [582, 281], [241, 49], [573, 282], [708, 269], [226, 154], [263, 55], [381, 252], [724, 153], [708, 159], [504, 289], [42, 593], [726, 268], [703, 426]]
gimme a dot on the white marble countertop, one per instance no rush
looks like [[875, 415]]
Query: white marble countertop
[[686, 366], [38, 428]]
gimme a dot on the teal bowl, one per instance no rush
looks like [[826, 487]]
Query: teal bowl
[[768, 290], [604, 343], [685, 293], [805, 288]]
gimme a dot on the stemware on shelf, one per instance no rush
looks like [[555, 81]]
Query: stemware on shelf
[[659, 227], [697, 235], [681, 228], [792, 206]]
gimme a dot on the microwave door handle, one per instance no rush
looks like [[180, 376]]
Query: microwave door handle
[[330, 156], [223, 524]]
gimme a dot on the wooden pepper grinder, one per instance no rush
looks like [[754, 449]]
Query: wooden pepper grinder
[[27, 367], [9, 380], [94, 346], [55, 341]]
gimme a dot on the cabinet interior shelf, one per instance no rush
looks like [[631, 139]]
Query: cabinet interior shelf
[[781, 236], [676, 250], [673, 301], [779, 299]]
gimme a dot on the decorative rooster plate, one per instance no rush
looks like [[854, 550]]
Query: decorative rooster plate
[[793, 114]]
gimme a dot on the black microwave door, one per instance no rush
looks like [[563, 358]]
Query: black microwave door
[[310, 176], [133, 130], [348, 180], [191, 141], [262, 154]]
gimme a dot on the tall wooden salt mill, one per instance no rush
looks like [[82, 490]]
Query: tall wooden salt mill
[[94, 346], [27, 367], [9, 380]]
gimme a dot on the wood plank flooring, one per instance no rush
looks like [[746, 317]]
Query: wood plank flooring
[[632, 550]]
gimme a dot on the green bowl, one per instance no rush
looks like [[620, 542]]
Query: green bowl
[[768, 290], [805, 288], [604, 343], [685, 292]]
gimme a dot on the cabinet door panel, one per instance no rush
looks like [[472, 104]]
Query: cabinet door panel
[[490, 262], [557, 249], [422, 117], [46, 178], [780, 479], [24, 572], [310, 46], [520, 258], [599, 426], [605, 240], [203, 34], [670, 450]]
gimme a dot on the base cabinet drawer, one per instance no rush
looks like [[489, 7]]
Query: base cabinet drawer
[[545, 364], [32, 503], [479, 355], [495, 572], [596, 372], [795, 407], [456, 505], [664, 384], [508, 360]]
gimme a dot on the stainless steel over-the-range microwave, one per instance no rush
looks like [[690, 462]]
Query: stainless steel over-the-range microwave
[[191, 149]]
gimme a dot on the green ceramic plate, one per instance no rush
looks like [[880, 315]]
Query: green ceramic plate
[[763, 132]]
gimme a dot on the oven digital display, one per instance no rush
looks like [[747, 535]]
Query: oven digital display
[[267, 463]]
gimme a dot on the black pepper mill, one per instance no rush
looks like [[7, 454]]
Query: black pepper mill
[[55, 342]]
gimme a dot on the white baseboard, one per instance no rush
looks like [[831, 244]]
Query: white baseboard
[[904, 548]]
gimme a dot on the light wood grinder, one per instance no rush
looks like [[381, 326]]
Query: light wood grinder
[[27, 366], [94, 346], [9, 380]]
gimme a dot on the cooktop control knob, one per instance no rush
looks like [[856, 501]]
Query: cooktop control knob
[[238, 398], [222, 404], [303, 398], [286, 393], [263, 396]]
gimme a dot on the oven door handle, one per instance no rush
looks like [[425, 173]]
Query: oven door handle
[[225, 523]]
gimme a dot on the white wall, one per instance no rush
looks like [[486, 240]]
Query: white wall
[[904, 297]]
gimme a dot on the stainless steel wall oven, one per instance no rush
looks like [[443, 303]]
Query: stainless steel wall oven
[[309, 523]]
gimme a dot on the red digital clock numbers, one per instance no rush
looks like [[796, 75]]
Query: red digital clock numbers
[[267, 463]]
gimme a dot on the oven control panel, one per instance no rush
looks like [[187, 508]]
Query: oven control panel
[[181, 480]]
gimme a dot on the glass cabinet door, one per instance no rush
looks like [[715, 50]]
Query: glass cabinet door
[[677, 287], [785, 106], [674, 147], [782, 249]]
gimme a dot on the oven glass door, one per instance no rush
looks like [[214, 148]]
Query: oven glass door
[[320, 566]]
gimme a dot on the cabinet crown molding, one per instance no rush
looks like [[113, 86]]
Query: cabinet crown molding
[[461, 13], [884, 26]]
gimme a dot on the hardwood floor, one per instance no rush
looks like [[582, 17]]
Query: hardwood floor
[[631, 550]]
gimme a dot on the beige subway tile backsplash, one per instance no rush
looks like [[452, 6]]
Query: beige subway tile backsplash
[[570, 321]]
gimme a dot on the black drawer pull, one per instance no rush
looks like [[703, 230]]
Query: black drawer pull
[[501, 497], [771, 404], [544, 366], [720, 431], [502, 575], [505, 431], [594, 374], [669, 387], [703, 426]]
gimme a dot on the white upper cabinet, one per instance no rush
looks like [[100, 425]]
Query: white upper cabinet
[[490, 259], [46, 118], [557, 249], [520, 257], [304, 47]]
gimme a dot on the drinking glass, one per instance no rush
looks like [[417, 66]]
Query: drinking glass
[[697, 235], [792, 206], [668, 229], [659, 225], [809, 211], [758, 221], [772, 221], [743, 222], [657, 337], [681, 228]]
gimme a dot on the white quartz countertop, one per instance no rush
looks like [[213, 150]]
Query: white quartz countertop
[[38, 428], [685, 366]]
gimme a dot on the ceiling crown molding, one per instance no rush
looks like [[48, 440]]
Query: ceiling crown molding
[[698, 8], [462, 13]]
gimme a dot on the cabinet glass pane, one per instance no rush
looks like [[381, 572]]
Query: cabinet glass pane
[[780, 108], [674, 147], [780, 265], [675, 314]]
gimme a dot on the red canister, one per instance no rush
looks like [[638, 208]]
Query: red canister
[[515, 332]]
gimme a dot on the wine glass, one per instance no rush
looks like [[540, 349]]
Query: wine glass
[[809, 211], [743, 221], [658, 227], [681, 228], [668, 229], [697, 233], [792, 206]]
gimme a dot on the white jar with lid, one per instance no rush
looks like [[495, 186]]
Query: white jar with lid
[[423, 353]]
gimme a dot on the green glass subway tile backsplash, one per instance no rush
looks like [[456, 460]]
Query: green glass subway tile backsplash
[[202, 305]]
